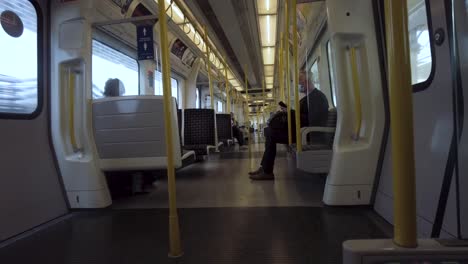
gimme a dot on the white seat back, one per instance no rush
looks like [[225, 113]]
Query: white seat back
[[129, 132]]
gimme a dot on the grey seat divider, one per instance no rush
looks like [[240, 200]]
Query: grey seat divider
[[129, 133]]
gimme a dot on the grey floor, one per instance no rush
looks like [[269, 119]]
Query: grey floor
[[222, 181], [224, 218]]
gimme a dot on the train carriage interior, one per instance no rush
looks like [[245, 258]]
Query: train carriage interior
[[233, 131]]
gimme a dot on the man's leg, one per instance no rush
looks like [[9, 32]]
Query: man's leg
[[268, 161]]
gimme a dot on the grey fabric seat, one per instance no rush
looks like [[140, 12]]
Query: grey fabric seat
[[199, 130], [129, 133], [316, 156]]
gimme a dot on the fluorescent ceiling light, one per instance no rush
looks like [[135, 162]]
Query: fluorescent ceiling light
[[269, 80], [267, 6], [269, 86], [268, 55], [238, 88], [268, 30], [270, 95], [230, 75], [269, 70]]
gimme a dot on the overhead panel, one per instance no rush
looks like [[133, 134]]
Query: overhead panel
[[268, 30]]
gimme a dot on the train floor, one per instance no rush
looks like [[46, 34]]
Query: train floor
[[224, 218]]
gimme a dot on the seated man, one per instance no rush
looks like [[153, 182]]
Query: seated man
[[236, 132], [313, 112]]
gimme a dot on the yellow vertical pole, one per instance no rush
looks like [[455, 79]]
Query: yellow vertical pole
[[357, 93], [175, 248], [296, 78], [401, 120], [288, 79], [248, 112], [228, 98], [281, 70], [264, 98], [208, 65]]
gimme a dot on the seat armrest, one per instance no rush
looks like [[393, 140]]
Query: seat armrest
[[307, 130]]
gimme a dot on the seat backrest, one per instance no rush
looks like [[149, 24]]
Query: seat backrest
[[131, 128], [223, 126], [199, 127], [331, 122]]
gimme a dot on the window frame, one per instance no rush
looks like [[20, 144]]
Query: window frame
[[332, 92], [105, 43], [316, 61], [41, 49], [418, 87]]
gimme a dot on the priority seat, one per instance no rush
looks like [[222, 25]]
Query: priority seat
[[129, 133], [199, 130], [224, 128], [316, 156]]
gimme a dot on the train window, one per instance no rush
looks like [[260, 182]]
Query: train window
[[420, 45], [19, 53], [330, 73], [197, 100], [315, 74], [109, 63], [158, 87], [220, 107]]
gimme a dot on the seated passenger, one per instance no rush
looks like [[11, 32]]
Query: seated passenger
[[236, 132], [114, 87], [313, 112]]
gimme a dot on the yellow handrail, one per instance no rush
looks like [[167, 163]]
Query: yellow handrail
[[281, 70], [175, 248], [401, 120], [228, 99], [71, 110], [264, 99], [288, 81], [296, 79], [357, 94], [248, 113], [208, 65]]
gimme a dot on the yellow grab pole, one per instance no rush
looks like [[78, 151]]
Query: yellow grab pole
[[228, 99], [208, 65], [288, 79], [248, 111], [357, 93], [71, 111], [175, 248], [264, 98], [296, 78], [401, 120], [281, 70]]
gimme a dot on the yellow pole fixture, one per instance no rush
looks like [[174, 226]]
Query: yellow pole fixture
[[281, 70], [248, 111], [401, 120], [228, 99], [296, 79], [208, 66], [175, 248], [264, 98], [357, 93], [288, 73]]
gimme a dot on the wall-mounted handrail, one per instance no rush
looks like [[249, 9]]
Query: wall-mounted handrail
[[175, 248], [71, 108], [401, 120], [356, 92]]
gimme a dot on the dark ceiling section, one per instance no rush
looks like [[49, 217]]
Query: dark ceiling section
[[214, 23]]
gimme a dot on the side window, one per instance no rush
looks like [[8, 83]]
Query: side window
[[220, 107], [197, 102], [109, 63], [330, 73], [315, 74], [420, 44], [19, 58], [158, 86]]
